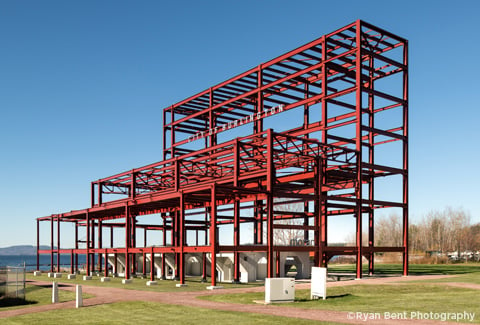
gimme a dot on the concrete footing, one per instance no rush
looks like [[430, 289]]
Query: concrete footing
[[179, 285], [105, 279], [57, 275], [71, 276], [214, 287], [87, 277], [126, 281], [37, 273], [152, 283]]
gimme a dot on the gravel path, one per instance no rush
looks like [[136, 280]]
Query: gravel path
[[112, 295]]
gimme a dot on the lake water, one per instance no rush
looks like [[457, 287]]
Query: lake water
[[30, 261]]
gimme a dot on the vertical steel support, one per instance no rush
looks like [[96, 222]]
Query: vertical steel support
[[204, 267], [371, 161], [76, 246], [181, 219], [359, 146], [405, 160], [277, 264], [92, 239], [236, 215], [38, 245], [92, 194], [213, 234], [58, 243], [258, 124], [111, 237], [100, 244], [270, 183], [152, 264], [106, 262], [51, 244], [320, 228], [99, 189], [133, 231], [87, 217], [72, 267], [115, 264], [127, 242]]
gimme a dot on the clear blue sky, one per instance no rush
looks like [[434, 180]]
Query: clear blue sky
[[83, 85]]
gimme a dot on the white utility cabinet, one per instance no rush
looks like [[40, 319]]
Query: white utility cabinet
[[319, 283], [279, 290]]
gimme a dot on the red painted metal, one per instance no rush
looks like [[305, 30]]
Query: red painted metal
[[211, 177]]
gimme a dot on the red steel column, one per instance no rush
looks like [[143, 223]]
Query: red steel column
[[371, 161], [127, 242], [213, 234], [58, 243], [405, 160], [152, 264], [181, 217], [87, 217], [38, 245], [236, 215], [359, 146], [76, 246], [100, 244], [270, 182], [51, 244], [106, 263]]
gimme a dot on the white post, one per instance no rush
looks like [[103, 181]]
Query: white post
[[54, 292], [79, 301]]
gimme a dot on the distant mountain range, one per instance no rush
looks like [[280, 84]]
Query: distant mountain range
[[21, 250]]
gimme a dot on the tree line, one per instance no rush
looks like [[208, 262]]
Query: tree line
[[438, 232]]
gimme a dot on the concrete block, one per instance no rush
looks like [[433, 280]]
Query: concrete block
[[71, 276], [87, 277], [126, 281], [214, 287], [105, 279], [50, 274], [57, 275], [152, 283], [37, 273], [179, 285]]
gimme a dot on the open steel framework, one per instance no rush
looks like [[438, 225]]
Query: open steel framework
[[350, 88]]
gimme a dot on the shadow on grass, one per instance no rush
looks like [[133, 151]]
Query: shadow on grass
[[345, 295], [11, 302]]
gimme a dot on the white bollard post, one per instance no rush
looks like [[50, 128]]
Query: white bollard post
[[79, 302], [54, 292]]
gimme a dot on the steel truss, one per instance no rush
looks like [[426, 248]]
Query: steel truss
[[352, 88]]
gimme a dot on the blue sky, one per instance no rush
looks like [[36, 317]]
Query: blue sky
[[83, 85]]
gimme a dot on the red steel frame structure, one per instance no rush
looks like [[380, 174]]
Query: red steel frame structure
[[350, 88]]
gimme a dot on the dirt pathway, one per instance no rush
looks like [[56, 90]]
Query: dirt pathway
[[112, 295]]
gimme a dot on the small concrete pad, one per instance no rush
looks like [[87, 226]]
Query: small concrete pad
[[179, 285], [214, 287], [57, 275], [37, 273], [126, 281], [152, 283], [105, 279], [71, 276], [87, 277], [50, 274]]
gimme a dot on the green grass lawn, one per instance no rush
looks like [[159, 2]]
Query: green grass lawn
[[421, 296], [193, 283], [414, 269], [378, 299], [138, 312], [38, 295]]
